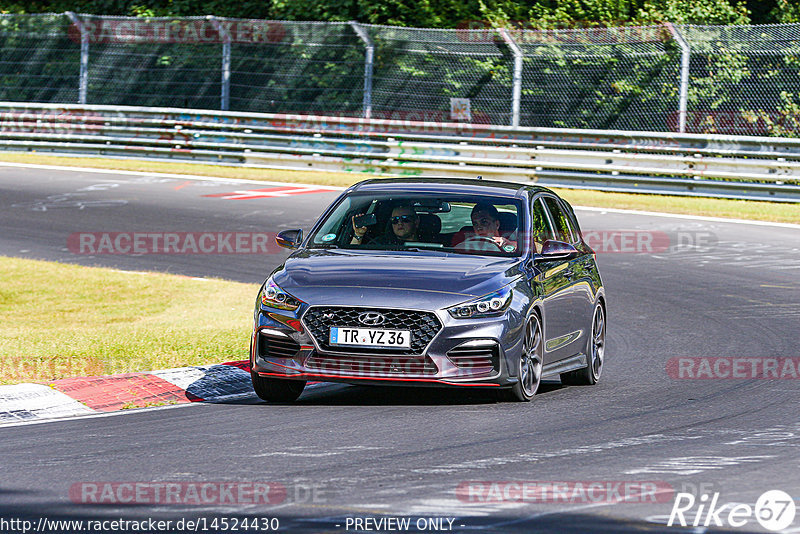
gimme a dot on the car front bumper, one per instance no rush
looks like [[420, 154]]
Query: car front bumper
[[462, 352]]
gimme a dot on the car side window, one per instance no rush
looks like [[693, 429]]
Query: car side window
[[540, 225], [563, 229], [573, 221]]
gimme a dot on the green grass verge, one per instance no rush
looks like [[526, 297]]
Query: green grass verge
[[737, 209], [340, 179], [60, 320], [711, 207]]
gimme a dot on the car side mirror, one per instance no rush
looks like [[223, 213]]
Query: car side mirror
[[291, 239], [557, 250]]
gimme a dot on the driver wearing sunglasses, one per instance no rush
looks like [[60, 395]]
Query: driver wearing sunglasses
[[404, 222]]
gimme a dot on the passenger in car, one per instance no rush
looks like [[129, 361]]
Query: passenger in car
[[405, 225]]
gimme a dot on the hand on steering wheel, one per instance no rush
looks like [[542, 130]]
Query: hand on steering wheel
[[478, 239], [486, 239]]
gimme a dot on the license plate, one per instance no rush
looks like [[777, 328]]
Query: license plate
[[370, 337]]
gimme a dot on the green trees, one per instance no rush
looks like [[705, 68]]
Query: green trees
[[443, 13], [619, 69]]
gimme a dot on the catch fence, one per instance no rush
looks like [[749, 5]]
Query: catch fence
[[742, 80]]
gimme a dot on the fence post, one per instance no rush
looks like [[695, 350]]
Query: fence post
[[686, 52], [516, 90], [83, 83], [368, 60], [225, 97]]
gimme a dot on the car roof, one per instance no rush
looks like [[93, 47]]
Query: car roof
[[433, 184]]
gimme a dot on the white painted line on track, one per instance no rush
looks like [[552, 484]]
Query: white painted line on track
[[163, 175], [335, 188], [100, 415], [465, 509], [568, 510], [690, 217], [88, 413], [96, 415]]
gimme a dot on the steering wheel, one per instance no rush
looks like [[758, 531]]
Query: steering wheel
[[478, 239]]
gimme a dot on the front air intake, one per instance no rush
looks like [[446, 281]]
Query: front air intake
[[275, 346], [477, 357]]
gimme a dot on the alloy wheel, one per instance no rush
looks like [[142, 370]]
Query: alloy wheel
[[598, 343], [530, 365]]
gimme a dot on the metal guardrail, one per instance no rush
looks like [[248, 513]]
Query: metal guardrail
[[755, 168]]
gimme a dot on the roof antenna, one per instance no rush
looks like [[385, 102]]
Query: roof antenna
[[480, 177]]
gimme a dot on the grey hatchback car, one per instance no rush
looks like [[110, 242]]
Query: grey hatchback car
[[432, 282]]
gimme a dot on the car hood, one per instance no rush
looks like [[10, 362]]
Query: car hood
[[355, 278]]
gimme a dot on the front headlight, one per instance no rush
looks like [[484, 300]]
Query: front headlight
[[486, 306], [275, 297]]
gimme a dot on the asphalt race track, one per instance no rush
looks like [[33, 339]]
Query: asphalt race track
[[344, 454]]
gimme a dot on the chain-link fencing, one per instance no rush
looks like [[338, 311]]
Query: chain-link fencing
[[697, 79], [744, 79], [419, 71], [153, 63], [38, 60], [622, 78]]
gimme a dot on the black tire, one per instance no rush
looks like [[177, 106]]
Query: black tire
[[595, 353], [529, 368], [276, 390]]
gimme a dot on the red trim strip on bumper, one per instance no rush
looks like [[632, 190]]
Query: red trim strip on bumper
[[427, 380]]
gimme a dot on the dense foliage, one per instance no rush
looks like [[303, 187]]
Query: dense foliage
[[443, 13]]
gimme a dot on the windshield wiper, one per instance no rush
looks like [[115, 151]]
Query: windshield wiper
[[436, 251]]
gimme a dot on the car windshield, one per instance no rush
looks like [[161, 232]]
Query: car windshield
[[462, 224]]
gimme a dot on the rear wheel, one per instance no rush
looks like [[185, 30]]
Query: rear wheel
[[595, 353], [276, 390], [530, 363]]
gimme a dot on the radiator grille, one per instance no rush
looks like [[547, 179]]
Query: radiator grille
[[423, 326]]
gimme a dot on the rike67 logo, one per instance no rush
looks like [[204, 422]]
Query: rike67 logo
[[774, 510]]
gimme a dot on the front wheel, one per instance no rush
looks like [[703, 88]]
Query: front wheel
[[530, 363], [275, 390], [595, 353]]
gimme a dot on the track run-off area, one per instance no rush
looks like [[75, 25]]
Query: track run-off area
[[698, 397]]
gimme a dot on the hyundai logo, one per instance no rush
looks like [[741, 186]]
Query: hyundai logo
[[371, 318]]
